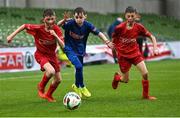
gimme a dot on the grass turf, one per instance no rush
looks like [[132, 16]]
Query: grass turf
[[18, 93]]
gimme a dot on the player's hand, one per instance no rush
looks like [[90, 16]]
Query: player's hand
[[52, 32], [110, 44], [67, 16], [155, 51], [9, 39]]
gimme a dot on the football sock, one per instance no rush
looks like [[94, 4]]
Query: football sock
[[44, 80], [51, 89], [145, 84], [79, 77]]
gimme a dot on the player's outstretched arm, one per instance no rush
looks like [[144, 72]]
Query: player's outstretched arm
[[11, 36], [106, 41], [66, 17], [155, 48], [61, 22], [59, 39]]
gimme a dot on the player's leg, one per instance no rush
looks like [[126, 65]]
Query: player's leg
[[123, 74], [120, 77], [78, 70], [57, 79], [145, 82], [78, 63], [79, 87], [53, 86], [49, 72], [84, 90], [42, 84]]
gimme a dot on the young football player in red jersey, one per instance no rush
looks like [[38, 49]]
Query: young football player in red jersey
[[124, 39], [46, 36]]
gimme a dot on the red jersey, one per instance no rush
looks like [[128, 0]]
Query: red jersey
[[125, 39], [44, 41]]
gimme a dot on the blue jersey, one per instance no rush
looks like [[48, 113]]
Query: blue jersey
[[76, 36], [112, 27]]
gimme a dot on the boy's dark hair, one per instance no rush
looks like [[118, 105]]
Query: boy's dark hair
[[130, 9], [79, 10], [48, 12]]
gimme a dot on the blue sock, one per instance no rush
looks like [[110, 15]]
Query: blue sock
[[79, 77]]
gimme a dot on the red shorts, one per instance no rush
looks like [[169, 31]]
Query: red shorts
[[43, 59], [125, 62]]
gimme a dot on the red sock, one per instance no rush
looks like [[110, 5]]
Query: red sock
[[117, 77], [51, 89], [145, 84], [44, 81]]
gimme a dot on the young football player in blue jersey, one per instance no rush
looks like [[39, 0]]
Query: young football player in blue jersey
[[76, 32]]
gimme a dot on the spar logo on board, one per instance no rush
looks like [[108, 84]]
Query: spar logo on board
[[29, 60], [11, 60]]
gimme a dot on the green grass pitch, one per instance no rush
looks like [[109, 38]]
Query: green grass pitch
[[18, 93]]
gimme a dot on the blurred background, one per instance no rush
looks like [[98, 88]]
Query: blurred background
[[161, 17], [159, 7]]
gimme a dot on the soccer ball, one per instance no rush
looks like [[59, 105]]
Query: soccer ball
[[72, 100]]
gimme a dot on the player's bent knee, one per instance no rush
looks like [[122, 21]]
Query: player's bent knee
[[51, 72], [145, 72]]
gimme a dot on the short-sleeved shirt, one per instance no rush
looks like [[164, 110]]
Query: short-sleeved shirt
[[76, 36], [44, 41], [125, 39]]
